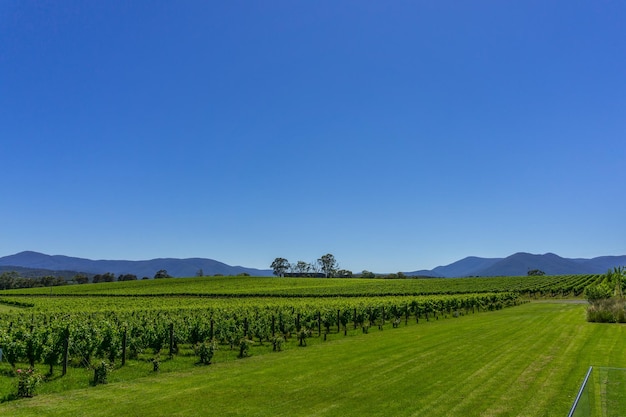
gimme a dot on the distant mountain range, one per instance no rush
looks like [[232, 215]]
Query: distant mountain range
[[34, 264], [520, 263], [174, 267]]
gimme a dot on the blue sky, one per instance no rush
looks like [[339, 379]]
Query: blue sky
[[395, 135]]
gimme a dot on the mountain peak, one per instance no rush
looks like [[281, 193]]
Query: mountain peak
[[520, 263]]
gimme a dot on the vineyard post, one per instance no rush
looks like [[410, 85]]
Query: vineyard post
[[211, 334], [354, 318], [382, 309], [124, 336], [66, 348], [245, 327], [298, 322], [273, 326], [338, 321], [406, 314], [171, 339], [319, 324]]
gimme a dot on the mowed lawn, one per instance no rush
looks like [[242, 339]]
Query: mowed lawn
[[522, 361]]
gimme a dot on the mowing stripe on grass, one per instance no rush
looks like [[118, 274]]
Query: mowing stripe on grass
[[523, 361]]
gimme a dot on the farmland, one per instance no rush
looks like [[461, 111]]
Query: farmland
[[294, 287], [373, 347]]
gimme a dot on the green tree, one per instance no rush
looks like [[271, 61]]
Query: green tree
[[108, 277], [617, 280], [302, 268], [367, 274], [9, 280], [81, 279], [344, 273], [127, 277], [328, 265], [162, 274], [280, 266], [596, 293]]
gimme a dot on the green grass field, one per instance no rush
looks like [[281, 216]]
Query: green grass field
[[521, 361]]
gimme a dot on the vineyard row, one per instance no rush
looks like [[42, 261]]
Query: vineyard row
[[60, 338]]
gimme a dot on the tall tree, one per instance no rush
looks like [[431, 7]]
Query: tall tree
[[162, 274], [328, 265], [280, 266], [81, 279], [127, 277], [302, 268]]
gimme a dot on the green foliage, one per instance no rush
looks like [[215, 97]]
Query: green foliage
[[162, 274], [232, 310], [127, 277], [609, 310], [594, 293], [53, 343], [330, 287], [328, 265], [303, 334], [27, 382], [301, 268], [13, 280], [617, 279], [280, 266], [344, 273], [244, 347], [606, 299], [156, 363], [101, 373], [108, 277], [205, 351], [277, 343], [541, 349], [81, 279]]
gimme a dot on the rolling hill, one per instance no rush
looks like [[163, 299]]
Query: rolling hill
[[520, 263], [175, 267], [517, 264]]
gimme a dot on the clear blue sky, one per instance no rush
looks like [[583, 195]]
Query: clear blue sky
[[395, 135]]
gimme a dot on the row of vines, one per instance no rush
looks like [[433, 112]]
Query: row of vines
[[310, 287], [78, 338]]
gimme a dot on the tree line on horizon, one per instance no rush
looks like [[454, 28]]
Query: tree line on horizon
[[12, 280], [324, 267]]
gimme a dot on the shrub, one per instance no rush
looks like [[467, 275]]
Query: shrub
[[156, 363], [205, 351], [27, 382], [302, 335], [244, 347], [611, 310], [599, 292], [277, 343], [101, 373]]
